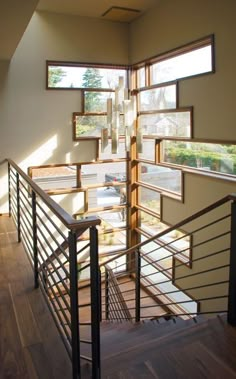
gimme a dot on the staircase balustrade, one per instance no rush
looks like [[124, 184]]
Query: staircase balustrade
[[49, 236], [184, 280], [187, 281]]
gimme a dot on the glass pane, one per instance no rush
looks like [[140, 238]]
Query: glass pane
[[112, 241], [84, 77], [158, 98], [174, 124], [95, 101], [150, 199], [91, 125], [187, 64], [204, 156], [151, 224], [72, 203], [163, 177], [111, 219], [104, 172], [161, 256], [165, 286], [107, 151], [177, 240], [105, 197], [55, 177], [119, 264], [141, 77], [148, 150], [108, 243]]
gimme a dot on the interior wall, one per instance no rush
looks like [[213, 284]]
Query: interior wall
[[175, 23], [36, 124]]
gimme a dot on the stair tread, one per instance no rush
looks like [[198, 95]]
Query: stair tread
[[176, 340], [129, 335]]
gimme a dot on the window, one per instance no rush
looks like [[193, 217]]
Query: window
[[97, 84], [141, 77], [176, 123], [205, 156], [195, 58], [72, 75], [161, 177], [158, 98], [90, 125], [194, 62]]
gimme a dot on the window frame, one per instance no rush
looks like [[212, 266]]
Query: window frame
[[191, 46], [50, 63]]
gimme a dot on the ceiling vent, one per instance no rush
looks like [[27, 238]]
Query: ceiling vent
[[121, 14]]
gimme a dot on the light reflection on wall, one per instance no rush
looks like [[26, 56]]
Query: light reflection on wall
[[39, 156]]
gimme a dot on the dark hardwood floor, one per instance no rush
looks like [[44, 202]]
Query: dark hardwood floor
[[205, 349], [30, 346]]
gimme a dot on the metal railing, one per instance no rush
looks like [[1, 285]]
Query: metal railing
[[167, 277], [173, 278], [49, 236], [115, 305]]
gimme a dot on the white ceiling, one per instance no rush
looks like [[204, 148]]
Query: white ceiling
[[92, 8]]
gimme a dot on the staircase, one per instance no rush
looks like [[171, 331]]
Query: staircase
[[194, 348], [181, 321]]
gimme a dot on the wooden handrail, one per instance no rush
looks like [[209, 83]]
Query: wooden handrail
[[230, 197], [63, 216], [113, 160]]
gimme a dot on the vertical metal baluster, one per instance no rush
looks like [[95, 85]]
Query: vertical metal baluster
[[106, 294], [232, 270], [9, 189], [137, 285], [95, 304], [74, 305], [100, 292], [35, 244], [18, 207]]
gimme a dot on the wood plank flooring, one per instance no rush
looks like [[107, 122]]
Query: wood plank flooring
[[204, 350], [30, 346]]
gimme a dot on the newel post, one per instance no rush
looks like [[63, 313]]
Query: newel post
[[232, 269], [137, 285], [95, 303], [75, 339]]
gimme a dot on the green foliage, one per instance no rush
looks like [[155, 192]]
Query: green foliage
[[55, 75], [92, 79], [84, 128], [213, 160]]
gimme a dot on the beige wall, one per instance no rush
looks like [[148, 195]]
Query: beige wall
[[35, 123]]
